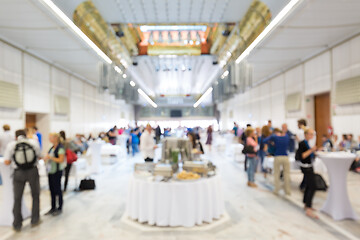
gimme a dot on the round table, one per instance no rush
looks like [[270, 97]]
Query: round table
[[7, 201], [337, 203], [175, 203]]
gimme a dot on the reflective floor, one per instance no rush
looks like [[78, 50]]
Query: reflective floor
[[251, 213]]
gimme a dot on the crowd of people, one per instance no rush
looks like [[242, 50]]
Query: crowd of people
[[23, 151], [279, 143]]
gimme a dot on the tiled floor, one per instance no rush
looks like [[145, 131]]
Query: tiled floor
[[253, 213]]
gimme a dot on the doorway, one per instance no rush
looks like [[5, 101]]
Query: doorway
[[322, 116], [30, 120]]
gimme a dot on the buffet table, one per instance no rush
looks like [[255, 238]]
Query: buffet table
[[337, 203], [175, 203], [7, 201]]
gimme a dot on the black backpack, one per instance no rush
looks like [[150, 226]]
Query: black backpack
[[24, 156], [298, 156]]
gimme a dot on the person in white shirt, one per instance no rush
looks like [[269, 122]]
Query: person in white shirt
[[147, 144], [5, 138]]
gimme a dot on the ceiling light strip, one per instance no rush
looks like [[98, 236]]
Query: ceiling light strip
[[147, 98], [203, 97], [274, 23], [70, 23]]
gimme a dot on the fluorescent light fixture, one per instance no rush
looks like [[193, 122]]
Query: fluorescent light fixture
[[203, 97], [268, 29], [147, 98], [226, 73], [73, 27], [117, 69], [124, 75], [132, 83]]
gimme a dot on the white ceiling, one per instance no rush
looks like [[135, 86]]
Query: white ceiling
[[177, 75], [314, 26], [27, 24], [177, 11]]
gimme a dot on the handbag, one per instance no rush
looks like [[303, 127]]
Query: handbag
[[248, 150], [320, 184], [70, 156], [87, 184]]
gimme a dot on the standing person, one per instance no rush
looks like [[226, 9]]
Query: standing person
[[265, 132], [306, 155], [270, 125], [235, 129], [251, 140], [157, 134], [300, 136], [5, 138], [285, 130], [71, 156], [39, 136], [56, 161], [23, 154], [134, 141], [112, 135], [243, 138], [281, 143], [209, 136], [147, 144]]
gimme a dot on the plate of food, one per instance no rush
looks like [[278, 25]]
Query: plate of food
[[187, 176]]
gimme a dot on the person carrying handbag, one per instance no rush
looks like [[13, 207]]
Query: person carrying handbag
[[70, 153]]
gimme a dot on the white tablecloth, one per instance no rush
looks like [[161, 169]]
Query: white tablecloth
[[95, 149], [337, 203], [175, 203], [7, 201]]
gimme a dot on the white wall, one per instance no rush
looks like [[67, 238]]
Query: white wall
[[315, 76], [39, 82]]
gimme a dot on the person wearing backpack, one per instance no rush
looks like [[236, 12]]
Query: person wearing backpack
[[56, 162], [305, 154], [23, 154]]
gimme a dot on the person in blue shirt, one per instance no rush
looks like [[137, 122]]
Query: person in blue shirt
[[281, 143], [134, 141], [39, 136], [284, 129]]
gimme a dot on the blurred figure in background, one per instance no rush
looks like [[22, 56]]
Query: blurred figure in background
[[39, 136], [134, 141], [285, 130], [265, 132], [112, 135], [157, 134], [196, 144], [147, 144], [70, 149], [209, 137], [251, 140], [5, 138], [326, 143], [344, 143]]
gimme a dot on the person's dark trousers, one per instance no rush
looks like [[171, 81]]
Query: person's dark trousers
[[245, 166], [55, 189], [67, 172], [149, 159], [20, 178], [310, 186], [303, 183]]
